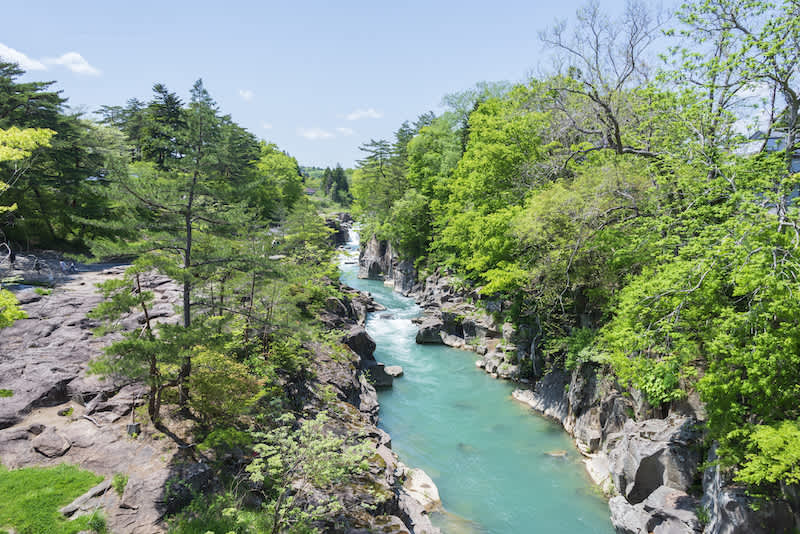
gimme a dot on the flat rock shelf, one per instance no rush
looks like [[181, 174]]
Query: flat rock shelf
[[499, 467]]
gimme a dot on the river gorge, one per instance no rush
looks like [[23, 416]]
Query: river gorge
[[499, 467]]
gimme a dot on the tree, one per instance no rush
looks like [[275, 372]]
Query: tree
[[279, 182], [760, 42], [291, 462], [598, 63], [340, 188], [15, 145], [62, 187], [144, 354], [184, 210]]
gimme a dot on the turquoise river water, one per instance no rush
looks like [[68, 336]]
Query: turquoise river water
[[488, 455]]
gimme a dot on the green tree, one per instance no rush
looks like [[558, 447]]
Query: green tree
[[340, 188], [63, 186], [16, 145], [184, 211], [279, 182], [291, 462]]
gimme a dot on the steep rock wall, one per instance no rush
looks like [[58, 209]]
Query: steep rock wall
[[648, 460]]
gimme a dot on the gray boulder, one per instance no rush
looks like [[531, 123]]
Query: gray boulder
[[549, 396], [377, 375], [51, 444], [653, 453], [394, 371], [404, 276], [375, 260], [360, 342], [665, 511], [429, 331]]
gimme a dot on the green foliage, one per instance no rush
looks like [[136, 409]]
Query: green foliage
[[306, 235], [226, 438], [97, 523], [772, 455], [119, 482], [222, 388], [221, 514], [278, 182], [576, 347], [288, 355], [32, 497], [295, 460], [5, 393], [9, 310], [60, 190], [336, 185]]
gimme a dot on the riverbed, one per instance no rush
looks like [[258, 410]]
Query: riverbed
[[499, 467]]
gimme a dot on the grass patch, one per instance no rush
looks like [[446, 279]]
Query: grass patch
[[32, 497], [6, 393], [42, 291]]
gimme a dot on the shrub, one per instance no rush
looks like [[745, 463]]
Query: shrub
[[222, 388], [119, 482]]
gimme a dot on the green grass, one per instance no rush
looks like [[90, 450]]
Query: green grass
[[32, 496], [119, 482], [6, 393]]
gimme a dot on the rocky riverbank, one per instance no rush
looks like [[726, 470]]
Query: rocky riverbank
[[650, 462], [53, 411]]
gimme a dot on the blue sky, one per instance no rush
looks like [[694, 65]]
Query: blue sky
[[317, 78]]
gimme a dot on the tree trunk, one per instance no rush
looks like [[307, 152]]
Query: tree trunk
[[186, 366]]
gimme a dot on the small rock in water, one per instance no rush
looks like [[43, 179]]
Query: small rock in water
[[465, 447], [557, 454], [386, 316], [394, 371]]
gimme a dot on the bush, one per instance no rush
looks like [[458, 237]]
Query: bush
[[222, 388], [119, 482]]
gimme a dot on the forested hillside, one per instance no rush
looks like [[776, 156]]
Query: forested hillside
[[638, 211], [217, 314]]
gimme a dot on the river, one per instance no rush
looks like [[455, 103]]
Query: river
[[499, 467]]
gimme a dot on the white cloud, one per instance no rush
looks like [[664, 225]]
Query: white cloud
[[266, 125], [246, 94], [315, 134], [15, 56], [345, 131], [369, 113], [71, 60], [74, 62]]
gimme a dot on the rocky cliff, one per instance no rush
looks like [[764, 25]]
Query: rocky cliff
[[648, 461], [378, 261]]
